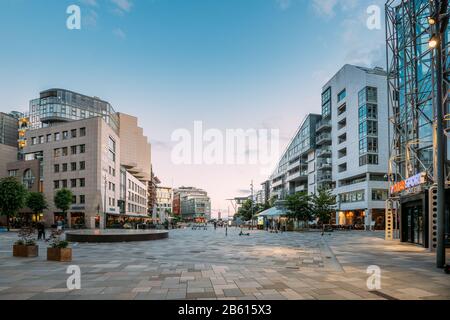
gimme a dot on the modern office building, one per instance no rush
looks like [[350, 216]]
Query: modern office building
[[81, 144], [412, 104], [192, 203], [164, 201], [345, 149], [60, 105], [9, 129]]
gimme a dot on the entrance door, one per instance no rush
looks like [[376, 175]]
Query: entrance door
[[415, 223]]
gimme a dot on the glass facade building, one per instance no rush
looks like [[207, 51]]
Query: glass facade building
[[59, 105], [412, 87]]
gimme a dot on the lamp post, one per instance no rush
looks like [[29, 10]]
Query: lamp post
[[439, 23], [104, 205]]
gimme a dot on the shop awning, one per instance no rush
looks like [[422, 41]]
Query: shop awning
[[273, 212]]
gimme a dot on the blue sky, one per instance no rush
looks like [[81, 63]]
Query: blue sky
[[230, 63]]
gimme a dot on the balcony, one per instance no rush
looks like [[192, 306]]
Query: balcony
[[297, 176], [324, 178], [324, 138], [324, 153], [322, 165], [323, 125]]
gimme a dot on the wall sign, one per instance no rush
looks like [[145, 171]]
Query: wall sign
[[409, 183]]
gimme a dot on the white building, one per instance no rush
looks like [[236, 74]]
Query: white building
[[345, 149], [358, 112]]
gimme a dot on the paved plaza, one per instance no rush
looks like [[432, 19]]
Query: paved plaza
[[206, 264]]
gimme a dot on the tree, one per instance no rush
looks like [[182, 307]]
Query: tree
[[323, 205], [298, 206], [36, 202], [247, 210], [63, 200], [12, 197]]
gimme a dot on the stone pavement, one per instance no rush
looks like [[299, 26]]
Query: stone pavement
[[199, 264]]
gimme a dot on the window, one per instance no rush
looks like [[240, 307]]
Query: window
[[64, 183], [112, 149], [73, 166], [65, 135], [368, 159], [73, 183], [326, 103], [28, 179], [41, 139], [82, 148], [73, 133], [342, 109], [74, 199], [12, 173], [57, 136], [56, 184], [82, 199], [82, 132], [33, 141], [64, 167], [57, 153], [82, 165], [342, 95], [379, 195], [73, 150], [349, 197], [82, 182], [65, 151], [49, 138], [56, 167]]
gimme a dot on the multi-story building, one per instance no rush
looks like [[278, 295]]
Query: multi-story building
[[192, 203], [164, 201], [296, 170], [345, 149], [412, 81], [81, 144], [60, 105], [355, 106], [9, 129]]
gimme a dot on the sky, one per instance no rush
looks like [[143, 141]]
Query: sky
[[232, 64]]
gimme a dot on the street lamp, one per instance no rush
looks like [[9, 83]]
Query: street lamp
[[433, 42]]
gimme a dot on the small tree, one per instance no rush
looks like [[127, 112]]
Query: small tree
[[245, 211], [12, 197], [323, 205], [36, 202], [298, 206], [63, 200]]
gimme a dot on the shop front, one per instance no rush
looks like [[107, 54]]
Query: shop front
[[414, 219]]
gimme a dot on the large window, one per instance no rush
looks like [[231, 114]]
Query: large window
[[379, 195], [28, 179], [112, 149], [355, 196], [326, 103], [368, 126], [342, 95]]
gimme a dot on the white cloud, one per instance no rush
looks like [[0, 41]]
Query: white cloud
[[123, 5], [119, 33], [92, 3], [284, 4], [328, 8]]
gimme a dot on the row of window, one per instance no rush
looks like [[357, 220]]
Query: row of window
[[62, 152], [136, 209], [136, 188], [136, 198], [357, 196], [82, 199], [74, 183], [57, 136], [73, 167]]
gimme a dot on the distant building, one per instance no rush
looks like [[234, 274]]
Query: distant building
[[192, 203], [164, 202], [9, 129]]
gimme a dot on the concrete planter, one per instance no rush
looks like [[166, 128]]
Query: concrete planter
[[59, 254], [25, 251]]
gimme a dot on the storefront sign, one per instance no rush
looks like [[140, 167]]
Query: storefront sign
[[409, 183], [260, 221]]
